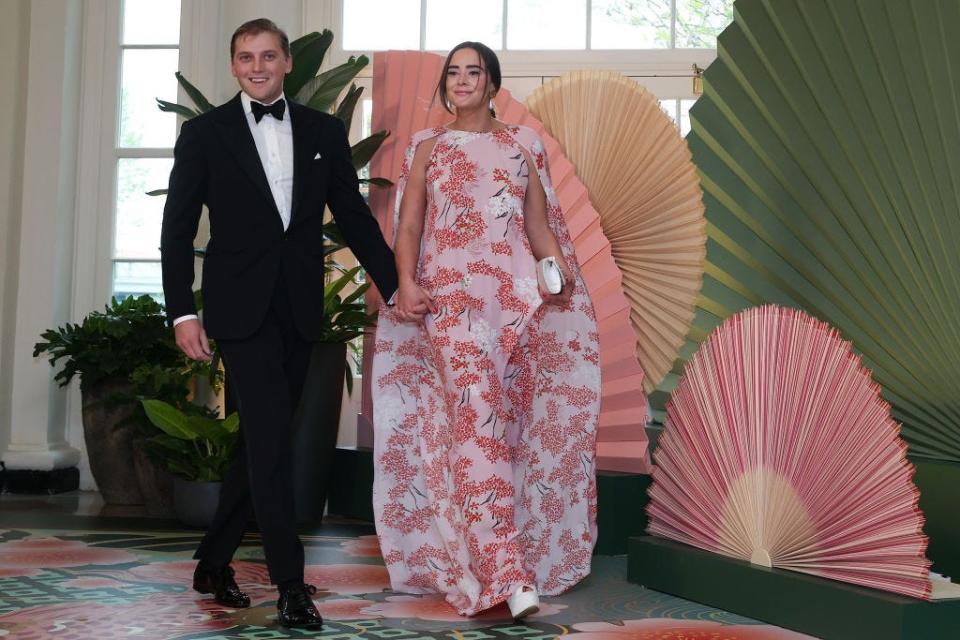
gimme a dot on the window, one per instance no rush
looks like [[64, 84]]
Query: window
[[437, 25], [679, 111], [149, 56], [655, 42]]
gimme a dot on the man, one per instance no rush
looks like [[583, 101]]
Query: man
[[265, 168]]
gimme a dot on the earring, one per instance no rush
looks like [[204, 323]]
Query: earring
[[490, 105]]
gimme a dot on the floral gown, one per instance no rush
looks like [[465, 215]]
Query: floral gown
[[485, 414]]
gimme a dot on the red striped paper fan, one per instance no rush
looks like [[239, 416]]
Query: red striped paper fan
[[778, 449], [403, 102]]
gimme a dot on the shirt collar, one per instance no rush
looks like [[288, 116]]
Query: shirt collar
[[246, 100]]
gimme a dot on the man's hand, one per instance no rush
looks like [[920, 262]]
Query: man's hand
[[192, 340]]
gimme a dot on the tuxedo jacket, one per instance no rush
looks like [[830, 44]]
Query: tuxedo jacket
[[216, 164]]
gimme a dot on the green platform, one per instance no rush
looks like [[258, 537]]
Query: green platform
[[621, 497], [817, 606], [939, 485]]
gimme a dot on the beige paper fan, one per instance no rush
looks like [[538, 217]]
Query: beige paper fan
[[641, 180]]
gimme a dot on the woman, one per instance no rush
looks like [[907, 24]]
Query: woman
[[486, 388]]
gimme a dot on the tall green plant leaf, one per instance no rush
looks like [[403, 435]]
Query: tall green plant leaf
[[308, 53], [364, 150], [203, 105], [357, 293], [179, 109], [348, 105], [337, 285], [322, 91], [377, 182]]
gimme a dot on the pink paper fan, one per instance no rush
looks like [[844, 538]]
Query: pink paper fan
[[778, 449]]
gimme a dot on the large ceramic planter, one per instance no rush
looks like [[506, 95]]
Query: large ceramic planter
[[156, 483], [195, 503], [315, 430], [110, 446]]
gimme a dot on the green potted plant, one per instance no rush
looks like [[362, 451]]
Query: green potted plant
[[184, 388], [113, 351], [196, 449]]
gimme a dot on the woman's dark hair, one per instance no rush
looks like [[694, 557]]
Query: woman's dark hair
[[489, 61]]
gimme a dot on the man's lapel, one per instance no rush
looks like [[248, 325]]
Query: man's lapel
[[305, 131], [235, 132]]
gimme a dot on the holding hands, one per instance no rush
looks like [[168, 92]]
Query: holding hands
[[413, 303]]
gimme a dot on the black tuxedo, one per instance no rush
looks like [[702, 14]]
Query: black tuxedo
[[262, 296]]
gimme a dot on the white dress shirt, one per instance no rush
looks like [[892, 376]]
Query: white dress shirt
[[274, 140]]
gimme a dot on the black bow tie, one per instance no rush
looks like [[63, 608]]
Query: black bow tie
[[276, 109]]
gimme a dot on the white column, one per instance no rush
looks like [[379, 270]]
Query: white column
[[44, 270], [14, 38]]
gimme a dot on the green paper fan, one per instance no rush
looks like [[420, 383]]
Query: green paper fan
[[828, 142]]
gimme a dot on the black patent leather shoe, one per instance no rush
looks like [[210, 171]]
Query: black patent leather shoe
[[295, 607], [219, 581]]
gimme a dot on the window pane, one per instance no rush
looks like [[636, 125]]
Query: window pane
[[630, 24], [546, 24], [669, 107], [450, 22], [366, 119], [151, 22], [137, 278], [685, 116], [381, 24], [699, 22], [137, 228], [147, 75]]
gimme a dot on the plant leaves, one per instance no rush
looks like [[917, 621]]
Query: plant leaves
[[232, 423], [364, 150], [332, 289], [357, 294], [157, 192], [209, 429], [308, 52], [179, 109], [168, 419], [377, 182], [203, 105], [348, 105], [321, 92]]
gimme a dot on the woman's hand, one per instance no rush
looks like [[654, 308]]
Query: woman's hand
[[413, 303], [566, 293]]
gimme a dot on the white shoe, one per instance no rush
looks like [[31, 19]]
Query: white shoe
[[523, 602]]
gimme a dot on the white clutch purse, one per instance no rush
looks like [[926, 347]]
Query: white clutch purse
[[549, 275]]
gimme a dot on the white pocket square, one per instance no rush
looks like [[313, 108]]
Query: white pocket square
[[317, 157]]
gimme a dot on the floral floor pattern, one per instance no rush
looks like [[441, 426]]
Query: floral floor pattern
[[83, 585]]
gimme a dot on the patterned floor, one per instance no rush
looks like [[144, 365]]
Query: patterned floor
[[104, 584]]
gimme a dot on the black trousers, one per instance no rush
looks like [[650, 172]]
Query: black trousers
[[267, 372]]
